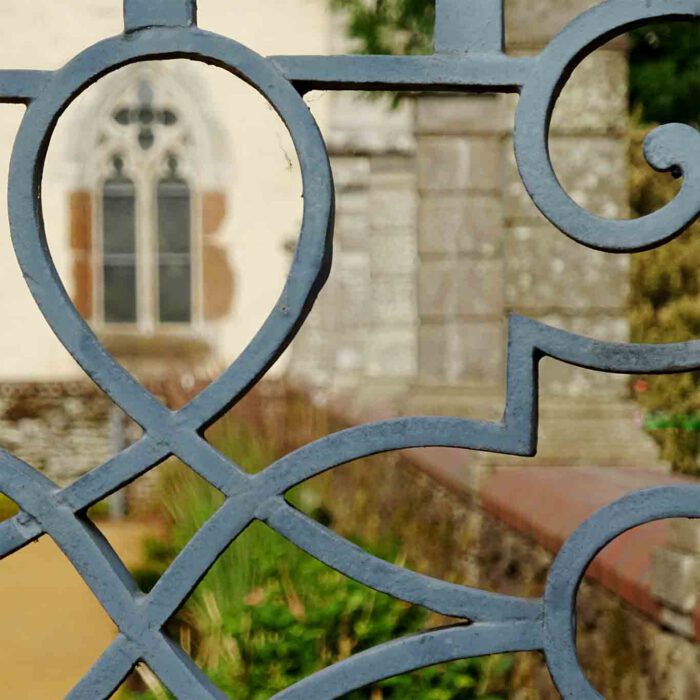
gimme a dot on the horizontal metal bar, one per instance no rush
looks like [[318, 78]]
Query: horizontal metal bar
[[476, 72], [21, 86]]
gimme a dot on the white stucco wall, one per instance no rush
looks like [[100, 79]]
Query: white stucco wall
[[255, 169]]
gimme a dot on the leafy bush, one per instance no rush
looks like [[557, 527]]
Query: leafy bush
[[665, 76], [268, 615], [665, 307], [390, 26]]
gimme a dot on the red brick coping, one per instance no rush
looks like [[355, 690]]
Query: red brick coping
[[548, 503]]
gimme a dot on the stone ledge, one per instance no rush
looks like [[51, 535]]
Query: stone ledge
[[516, 497], [547, 504]]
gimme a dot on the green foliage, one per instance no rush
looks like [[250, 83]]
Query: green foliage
[[390, 26], [665, 307], [664, 58], [665, 76], [268, 615]]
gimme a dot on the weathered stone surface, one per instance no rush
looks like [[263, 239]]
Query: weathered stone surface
[[393, 200], [601, 84], [676, 579], [546, 271], [393, 352], [393, 254], [454, 163], [350, 171], [684, 535], [362, 126], [393, 300], [533, 23], [593, 171], [461, 352], [440, 115], [460, 223], [352, 228], [60, 429], [679, 623], [353, 278], [472, 352], [463, 287]]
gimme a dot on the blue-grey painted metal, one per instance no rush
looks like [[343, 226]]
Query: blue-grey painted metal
[[161, 29]]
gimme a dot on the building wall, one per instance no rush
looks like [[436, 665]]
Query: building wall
[[257, 165], [473, 249]]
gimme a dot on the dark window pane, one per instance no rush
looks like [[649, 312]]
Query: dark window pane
[[119, 216], [123, 117], [168, 118], [146, 138], [175, 291], [120, 293], [174, 216], [146, 115]]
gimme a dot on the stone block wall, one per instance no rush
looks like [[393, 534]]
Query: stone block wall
[[676, 578], [61, 429], [66, 429], [437, 242], [460, 233]]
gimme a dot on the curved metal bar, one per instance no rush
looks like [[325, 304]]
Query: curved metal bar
[[196, 558], [413, 653], [363, 441], [115, 473], [435, 594], [619, 358], [92, 557], [165, 29], [674, 147], [570, 565], [108, 672], [179, 673]]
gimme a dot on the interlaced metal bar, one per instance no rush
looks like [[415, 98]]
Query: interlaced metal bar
[[469, 57]]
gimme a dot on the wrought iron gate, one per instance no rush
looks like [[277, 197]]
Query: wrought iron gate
[[469, 57]]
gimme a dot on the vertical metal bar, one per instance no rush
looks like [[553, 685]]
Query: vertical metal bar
[[139, 14], [463, 26]]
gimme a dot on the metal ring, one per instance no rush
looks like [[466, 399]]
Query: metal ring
[[568, 570]]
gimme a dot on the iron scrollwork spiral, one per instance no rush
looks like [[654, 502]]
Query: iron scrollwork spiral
[[497, 623]]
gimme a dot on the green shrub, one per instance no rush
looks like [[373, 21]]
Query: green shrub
[[665, 307], [268, 615]]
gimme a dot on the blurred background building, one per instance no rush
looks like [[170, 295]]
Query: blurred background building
[[172, 197]]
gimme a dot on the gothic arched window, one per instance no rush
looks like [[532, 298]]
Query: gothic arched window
[[145, 264], [146, 218]]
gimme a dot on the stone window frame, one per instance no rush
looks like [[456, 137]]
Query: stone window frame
[[201, 153], [145, 168]]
